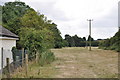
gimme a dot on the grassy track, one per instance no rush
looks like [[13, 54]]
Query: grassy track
[[77, 63], [81, 63]]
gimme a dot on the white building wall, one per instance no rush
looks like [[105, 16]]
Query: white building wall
[[7, 45], [0, 57]]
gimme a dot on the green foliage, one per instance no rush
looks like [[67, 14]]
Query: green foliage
[[30, 19], [11, 13], [29, 38], [105, 43], [70, 40], [35, 40], [84, 39], [76, 41], [36, 33], [95, 43], [58, 41], [46, 58], [112, 43], [65, 43], [90, 38], [14, 50]]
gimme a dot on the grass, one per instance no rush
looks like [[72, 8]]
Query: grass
[[34, 71], [78, 62], [75, 62]]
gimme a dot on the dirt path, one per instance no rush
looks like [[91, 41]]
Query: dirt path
[[81, 63]]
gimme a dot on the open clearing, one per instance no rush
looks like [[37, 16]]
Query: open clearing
[[76, 62], [81, 63]]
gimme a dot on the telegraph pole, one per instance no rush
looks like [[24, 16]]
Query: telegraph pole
[[17, 0], [90, 20], [118, 15]]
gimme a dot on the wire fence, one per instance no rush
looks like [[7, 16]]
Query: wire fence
[[10, 61]]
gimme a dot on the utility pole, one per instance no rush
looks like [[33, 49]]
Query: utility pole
[[118, 15], [90, 20], [17, 0]]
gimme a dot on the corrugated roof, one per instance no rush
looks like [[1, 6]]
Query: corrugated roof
[[7, 33]]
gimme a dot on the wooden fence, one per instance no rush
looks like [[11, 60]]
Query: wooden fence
[[12, 66]]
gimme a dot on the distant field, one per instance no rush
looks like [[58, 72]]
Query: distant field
[[77, 63], [81, 63]]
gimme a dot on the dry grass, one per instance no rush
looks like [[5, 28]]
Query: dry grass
[[81, 63], [76, 63], [34, 71]]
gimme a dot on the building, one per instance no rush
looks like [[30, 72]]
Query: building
[[7, 41]]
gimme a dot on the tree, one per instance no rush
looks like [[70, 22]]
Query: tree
[[84, 39], [77, 40], [35, 40], [58, 40], [113, 43], [31, 20], [70, 40], [36, 33], [11, 13], [65, 43], [89, 38]]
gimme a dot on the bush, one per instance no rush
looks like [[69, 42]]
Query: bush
[[112, 44], [46, 58], [14, 50], [95, 43]]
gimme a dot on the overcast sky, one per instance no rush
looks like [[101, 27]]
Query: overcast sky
[[71, 15]]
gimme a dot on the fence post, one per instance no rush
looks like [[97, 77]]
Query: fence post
[[8, 67], [2, 61], [26, 62], [36, 57], [22, 57], [118, 66]]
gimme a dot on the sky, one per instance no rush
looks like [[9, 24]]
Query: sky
[[71, 16]]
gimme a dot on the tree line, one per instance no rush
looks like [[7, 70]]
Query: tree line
[[112, 43], [75, 41]]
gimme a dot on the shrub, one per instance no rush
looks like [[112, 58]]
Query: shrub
[[46, 58], [14, 50], [112, 44]]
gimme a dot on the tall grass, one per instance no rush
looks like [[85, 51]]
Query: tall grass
[[46, 57]]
